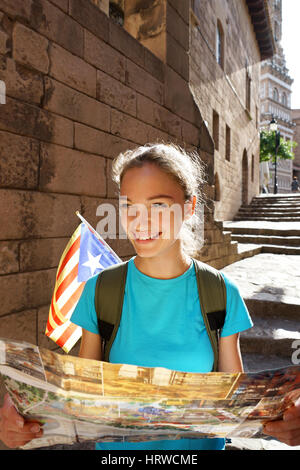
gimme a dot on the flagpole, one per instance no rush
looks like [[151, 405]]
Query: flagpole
[[97, 235]]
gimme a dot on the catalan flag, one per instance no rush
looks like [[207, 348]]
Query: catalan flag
[[85, 255]]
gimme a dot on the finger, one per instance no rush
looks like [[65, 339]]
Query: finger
[[282, 426], [10, 413], [291, 438], [13, 439], [292, 413], [28, 428]]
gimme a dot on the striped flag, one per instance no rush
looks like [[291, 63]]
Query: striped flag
[[85, 255]]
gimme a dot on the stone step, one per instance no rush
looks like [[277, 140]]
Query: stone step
[[264, 308], [255, 362], [279, 337], [263, 239], [271, 208], [281, 249], [266, 218], [281, 197], [264, 231], [290, 204], [266, 214]]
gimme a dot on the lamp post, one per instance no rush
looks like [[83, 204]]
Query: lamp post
[[274, 128]]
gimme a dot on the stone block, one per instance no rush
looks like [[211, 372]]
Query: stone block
[[90, 17], [52, 22], [104, 57], [21, 82], [9, 257], [19, 161], [64, 170], [177, 27], [26, 290], [62, 4], [28, 214], [126, 44], [25, 119], [141, 81], [62, 129], [177, 58], [30, 48], [182, 8], [42, 253], [152, 113], [112, 188], [72, 104], [190, 133], [98, 142], [42, 340], [178, 97], [154, 66], [20, 326], [115, 94], [129, 128], [72, 71], [17, 9]]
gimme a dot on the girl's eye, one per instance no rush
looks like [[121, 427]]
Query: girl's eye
[[160, 204]]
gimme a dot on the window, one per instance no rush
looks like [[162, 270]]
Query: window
[[220, 45], [227, 143], [252, 168], [216, 129], [284, 99], [248, 90], [275, 94]]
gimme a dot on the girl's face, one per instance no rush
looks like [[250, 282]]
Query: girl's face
[[152, 207]]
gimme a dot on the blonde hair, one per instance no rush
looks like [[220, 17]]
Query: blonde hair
[[186, 168]]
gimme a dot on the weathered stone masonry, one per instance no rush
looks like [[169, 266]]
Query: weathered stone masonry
[[79, 89]]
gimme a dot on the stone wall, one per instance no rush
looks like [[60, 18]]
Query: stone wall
[[79, 89], [221, 89]]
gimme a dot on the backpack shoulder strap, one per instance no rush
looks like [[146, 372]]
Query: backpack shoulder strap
[[212, 297], [109, 296]]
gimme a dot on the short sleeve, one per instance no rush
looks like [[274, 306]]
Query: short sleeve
[[84, 314], [237, 315]]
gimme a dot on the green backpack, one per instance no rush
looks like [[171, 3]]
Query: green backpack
[[109, 295]]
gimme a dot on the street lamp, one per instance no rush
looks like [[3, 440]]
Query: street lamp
[[274, 128]]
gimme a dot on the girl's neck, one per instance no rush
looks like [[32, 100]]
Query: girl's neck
[[164, 266]]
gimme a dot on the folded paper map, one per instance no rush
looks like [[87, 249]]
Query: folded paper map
[[86, 400]]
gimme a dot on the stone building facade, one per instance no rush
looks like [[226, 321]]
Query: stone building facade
[[80, 88], [296, 162], [276, 90], [226, 55]]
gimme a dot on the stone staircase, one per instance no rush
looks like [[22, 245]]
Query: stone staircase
[[268, 284], [273, 208], [269, 222]]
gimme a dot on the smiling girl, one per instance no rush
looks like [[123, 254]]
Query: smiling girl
[[161, 323]]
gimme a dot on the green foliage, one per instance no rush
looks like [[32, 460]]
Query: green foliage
[[268, 143]]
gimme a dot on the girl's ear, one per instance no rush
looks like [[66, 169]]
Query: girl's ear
[[190, 207]]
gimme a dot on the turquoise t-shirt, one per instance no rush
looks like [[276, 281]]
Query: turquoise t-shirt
[[162, 326]]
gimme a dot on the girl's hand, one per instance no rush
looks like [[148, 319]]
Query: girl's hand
[[286, 430], [14, 430]]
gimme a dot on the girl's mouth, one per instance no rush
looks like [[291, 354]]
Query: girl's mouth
[[146, 238]]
